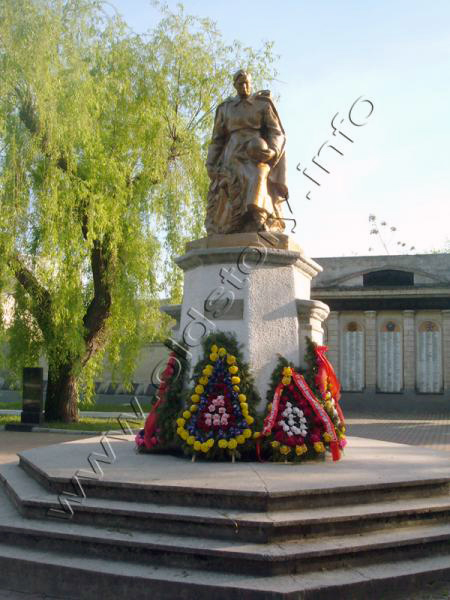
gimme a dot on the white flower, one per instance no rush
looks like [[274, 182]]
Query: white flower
[[290, 434]]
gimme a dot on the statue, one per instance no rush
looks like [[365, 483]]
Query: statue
[[246, 163]]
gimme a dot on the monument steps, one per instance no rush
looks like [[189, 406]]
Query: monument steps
[[75, 577], [299, 555], [240, 499], [33, 501], [378, 524]]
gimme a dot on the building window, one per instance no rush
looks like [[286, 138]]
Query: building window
[[390, 357], [388, 278], [352, 357], [429, 358]]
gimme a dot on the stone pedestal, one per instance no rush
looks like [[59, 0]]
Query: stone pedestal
[[255, 289]]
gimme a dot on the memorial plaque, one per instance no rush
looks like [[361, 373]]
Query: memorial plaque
[[33, 395], [390, 361], [429, 361], [352, 365]]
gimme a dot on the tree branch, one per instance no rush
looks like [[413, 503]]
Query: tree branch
[[39, 295], [99, 308]]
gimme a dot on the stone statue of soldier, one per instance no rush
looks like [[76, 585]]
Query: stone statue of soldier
[[246, 163]]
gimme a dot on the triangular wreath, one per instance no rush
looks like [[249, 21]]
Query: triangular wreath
[[302, 421], [219, 421]]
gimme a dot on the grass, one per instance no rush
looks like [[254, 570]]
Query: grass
[[84, 424], [101, 407]]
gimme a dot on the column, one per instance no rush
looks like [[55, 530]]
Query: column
[[333, 339], [370, 325], [446, 349], [409, 351]]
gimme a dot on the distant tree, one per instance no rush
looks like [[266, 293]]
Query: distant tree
[[102, 142]]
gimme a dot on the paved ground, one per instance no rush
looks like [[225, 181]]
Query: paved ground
[[429, 430]]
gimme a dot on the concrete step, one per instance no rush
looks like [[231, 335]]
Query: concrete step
[[238, 499], [33, 501], [189, 552], [75, 577]]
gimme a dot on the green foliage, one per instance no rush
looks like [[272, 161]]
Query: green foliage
[[103, 135], [276, 376], [170, 409]]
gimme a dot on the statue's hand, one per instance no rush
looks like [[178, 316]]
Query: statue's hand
[[265, 155]]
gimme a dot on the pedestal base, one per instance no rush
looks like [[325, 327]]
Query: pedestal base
[[258, 292]]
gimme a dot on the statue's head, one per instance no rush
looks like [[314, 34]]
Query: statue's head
[[242, 81]]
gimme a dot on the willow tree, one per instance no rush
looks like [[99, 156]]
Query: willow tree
[[102, 143]]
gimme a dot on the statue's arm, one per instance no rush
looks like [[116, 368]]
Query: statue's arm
[[217, 143], [275, 137]]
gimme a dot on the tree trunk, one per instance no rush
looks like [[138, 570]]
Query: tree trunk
[[61, 403]]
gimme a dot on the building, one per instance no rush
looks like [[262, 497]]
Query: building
[[388, 330]]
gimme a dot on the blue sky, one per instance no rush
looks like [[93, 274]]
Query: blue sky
[[396, 54]]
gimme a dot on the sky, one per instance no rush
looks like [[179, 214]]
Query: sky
[[394, 53]]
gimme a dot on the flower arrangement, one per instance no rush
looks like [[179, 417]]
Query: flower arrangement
[[301, 422], [219, 421], [159, 428]]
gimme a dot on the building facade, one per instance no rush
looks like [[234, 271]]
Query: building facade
[[388, 330]]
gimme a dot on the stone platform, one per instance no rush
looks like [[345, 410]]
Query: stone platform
[[166, 528]]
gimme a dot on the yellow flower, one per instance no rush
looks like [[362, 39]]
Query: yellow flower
[[214, 349], [194, 408], [210, 442], [286, 380], [240, 439], [184, 435], [208, 370], [180, 430], [223, 443], [275, 444], [328, 395], [287, 371], [190, 440], [187, 414], [285, 450], [199, 389], [269, 406], [235, 379], [213, 356], [244, 412], [236, 388], [247, 433], [203, 380], [181, 422], [195, 398], [341, 436], [256, 435], [233, 369], [197, 445], [343, 428], [328, 406], [327, 437], [205, 447], [319, 447], [231, 359], [232, 444], [298, 450], [242, 397], [222, 352], [250, 420]]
